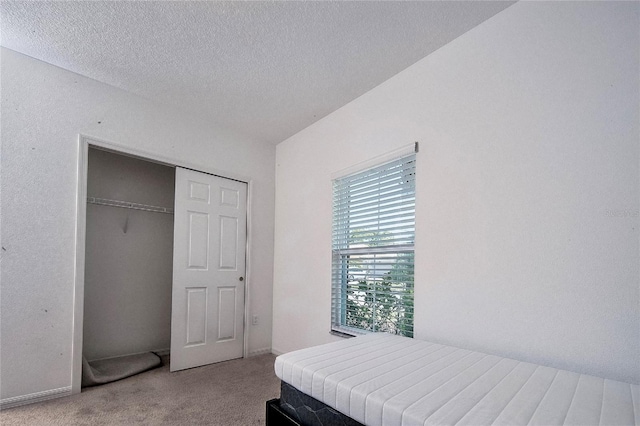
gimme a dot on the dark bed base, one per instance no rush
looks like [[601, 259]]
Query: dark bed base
[[277, 417], [297, 408]]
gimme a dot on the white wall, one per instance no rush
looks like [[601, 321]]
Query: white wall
[[527, 190], [129, 258], [44, 108]]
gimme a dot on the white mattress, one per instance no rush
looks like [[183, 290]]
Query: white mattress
[[382, 379]]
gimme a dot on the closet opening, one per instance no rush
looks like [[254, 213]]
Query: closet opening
[[162, 261], [128, 265]]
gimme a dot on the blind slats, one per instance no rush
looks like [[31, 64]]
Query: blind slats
[[372, 228], [397, 185], [400, 183], [376, 172], [397, 209], [373, 237], [404, 238], [378, 184]]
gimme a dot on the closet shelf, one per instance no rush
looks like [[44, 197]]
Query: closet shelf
[[128, 205]]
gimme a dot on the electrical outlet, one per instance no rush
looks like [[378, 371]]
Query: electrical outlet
[[254, 320]]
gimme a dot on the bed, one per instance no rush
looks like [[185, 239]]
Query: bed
[[383, 379]]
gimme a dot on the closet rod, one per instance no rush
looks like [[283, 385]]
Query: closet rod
[[128, 205]]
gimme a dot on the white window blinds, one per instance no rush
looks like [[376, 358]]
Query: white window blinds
[[373, 249]]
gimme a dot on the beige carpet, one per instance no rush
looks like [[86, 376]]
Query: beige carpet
[[228, 393]]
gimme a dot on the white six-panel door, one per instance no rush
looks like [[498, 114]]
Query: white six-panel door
[[207, 319]]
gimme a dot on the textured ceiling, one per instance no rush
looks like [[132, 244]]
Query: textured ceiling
[[264, 69]]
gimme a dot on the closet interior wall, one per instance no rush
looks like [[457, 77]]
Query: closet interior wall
[[129, 257]]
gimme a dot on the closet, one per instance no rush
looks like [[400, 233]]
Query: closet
[[128, 256]]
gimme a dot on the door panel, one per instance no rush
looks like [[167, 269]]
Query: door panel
[[226, 313], [196, 316], [198, 240], [228, 243], [209, 265]]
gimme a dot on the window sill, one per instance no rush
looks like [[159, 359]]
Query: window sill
[[348, 332], [342, 334]]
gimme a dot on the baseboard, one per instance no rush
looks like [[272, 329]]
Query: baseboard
[[276, 352], [32, 398], [262, 351]]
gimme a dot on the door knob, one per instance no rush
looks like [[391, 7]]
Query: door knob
[[241, 279]]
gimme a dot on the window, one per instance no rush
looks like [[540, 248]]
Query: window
[[373, 249]]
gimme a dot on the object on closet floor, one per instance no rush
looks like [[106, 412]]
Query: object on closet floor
[[112, 369]]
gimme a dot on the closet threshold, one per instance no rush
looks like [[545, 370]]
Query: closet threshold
[[128, 205]]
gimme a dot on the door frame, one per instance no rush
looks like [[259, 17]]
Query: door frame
[[84, 142]]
